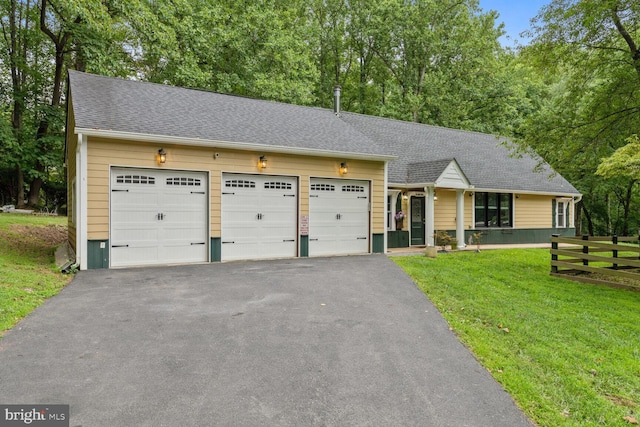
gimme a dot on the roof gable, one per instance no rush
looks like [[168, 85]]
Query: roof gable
[[486, 161], [441, 173]]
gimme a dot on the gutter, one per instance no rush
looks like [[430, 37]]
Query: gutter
[[243, 146]]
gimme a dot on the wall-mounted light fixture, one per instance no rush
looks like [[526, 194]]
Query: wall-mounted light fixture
[[262, 163], [471, 194], [435, 196], [344, 169], [162, 156], [405, 196]]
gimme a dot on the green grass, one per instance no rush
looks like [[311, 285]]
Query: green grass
[[568, 353], [27, 271]]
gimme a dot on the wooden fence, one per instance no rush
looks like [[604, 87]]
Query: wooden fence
[[613, 261]]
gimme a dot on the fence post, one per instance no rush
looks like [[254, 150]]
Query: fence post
[[554, 257], [585, 249], [614, 240]]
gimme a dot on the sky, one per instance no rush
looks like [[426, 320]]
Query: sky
[[515, 14]]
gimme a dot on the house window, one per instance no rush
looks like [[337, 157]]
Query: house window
[[562, 214], [493, 210]]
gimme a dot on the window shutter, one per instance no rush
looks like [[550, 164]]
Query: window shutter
[[554, 213]]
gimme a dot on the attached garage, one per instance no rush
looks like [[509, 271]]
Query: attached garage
[[339, 217], [158, 217], [259, 217], [156, 181]]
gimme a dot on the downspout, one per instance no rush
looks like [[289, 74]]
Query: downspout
[[573, 216]]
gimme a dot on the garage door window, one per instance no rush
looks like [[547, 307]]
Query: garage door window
[[323, 187], [183, 181], [135, 179], [277, 185], [239, 183], [353, 189]]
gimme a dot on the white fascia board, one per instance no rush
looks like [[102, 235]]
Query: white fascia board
[[427, 184], [535, 193], [244, 146]]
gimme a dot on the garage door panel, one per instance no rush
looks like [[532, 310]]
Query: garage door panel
[[128, 234], [259, 217], [143, 254], [156, 215], [338, 217]]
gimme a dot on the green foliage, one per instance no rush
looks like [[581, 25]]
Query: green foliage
[[566, 352], [587, 53], [29, 277], [625, 161]]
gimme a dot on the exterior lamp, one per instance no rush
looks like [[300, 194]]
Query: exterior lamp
[[262, 163], [344, 169], [162, 156]]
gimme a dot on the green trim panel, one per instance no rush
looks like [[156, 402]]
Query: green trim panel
[[97, 257], [216, 249], [497, 236], [304, 246], [398, 239], [377, 243]]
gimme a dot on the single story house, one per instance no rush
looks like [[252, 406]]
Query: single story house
[[164, 175]]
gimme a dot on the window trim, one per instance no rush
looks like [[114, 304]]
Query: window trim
[[566, 209], [486, 221]]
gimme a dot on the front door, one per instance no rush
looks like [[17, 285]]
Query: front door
[[417, 220]]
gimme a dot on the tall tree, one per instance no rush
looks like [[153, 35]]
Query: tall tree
[[591, 51]]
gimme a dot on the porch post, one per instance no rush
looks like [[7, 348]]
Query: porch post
[[429, 227], [460, 218]]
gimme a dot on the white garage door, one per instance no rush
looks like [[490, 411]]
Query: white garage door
[[338, 217], [158, 217], [259, 217]]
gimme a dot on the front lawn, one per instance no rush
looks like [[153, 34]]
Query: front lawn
[[27, 272], [568, 353]]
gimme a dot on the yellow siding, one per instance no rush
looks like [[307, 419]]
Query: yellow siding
[[445, 210], [104, 153], [533, 211], [72, 142]]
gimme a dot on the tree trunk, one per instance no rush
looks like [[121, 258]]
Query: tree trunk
[[20, 187], [577, 218], [587, 215], [626, 203]]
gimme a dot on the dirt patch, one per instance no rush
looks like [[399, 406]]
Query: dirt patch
[[621, 401], [48, 235]]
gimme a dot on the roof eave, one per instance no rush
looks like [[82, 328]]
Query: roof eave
[[244, 146], [405, 185], [532, 192]]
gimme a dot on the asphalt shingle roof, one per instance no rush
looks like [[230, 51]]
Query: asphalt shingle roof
[[425, 172], [112, 104], [484, 159], [108, 103]]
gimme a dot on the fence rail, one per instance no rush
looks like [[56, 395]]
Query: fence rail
[[613, 260]]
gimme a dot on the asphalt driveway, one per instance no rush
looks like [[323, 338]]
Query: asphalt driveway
[[346, 341]]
